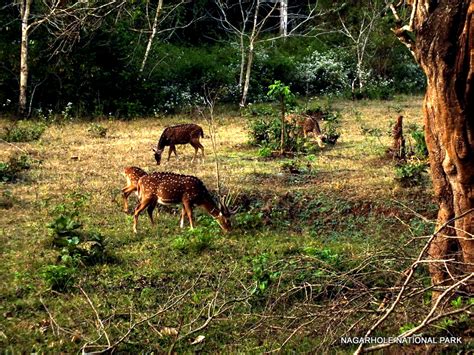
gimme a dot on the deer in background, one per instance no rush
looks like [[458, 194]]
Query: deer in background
[[169, 188], [180, 134], [132, 174], [309, 124]]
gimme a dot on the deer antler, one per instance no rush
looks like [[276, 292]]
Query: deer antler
[[229, 200]]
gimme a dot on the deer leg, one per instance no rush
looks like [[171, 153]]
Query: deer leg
[[189, 211], [170, 151], [320, 141], [150, 210], [193, 143], [197, 145], [202, 150], [126, 192], [181, 222], [140, 207]]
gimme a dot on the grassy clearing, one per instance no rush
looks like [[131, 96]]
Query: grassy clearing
[[247, 291]]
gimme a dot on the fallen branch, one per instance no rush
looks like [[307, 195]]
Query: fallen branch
[[408, 278]]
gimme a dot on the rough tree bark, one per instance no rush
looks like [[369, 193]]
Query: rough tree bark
[[443, 45]]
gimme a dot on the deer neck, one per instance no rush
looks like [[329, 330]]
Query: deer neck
[[163, 141], [211, 207]]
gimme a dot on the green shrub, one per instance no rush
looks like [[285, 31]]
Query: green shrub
[[265, 152], [64, 225], [97, 130], [326, 255], [262, 274], [249, 220], [331, 132], [322, 73], [379, 90], [419, 147], [58, 277], [410, 173], [24, 131], [194, 240], [266, 132], [12, 170], [77, 246]]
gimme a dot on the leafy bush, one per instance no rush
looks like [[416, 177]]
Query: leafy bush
[[326, 255], [410, 173], [261, 274], [379, 89], [266, 132], [24, 131], [97, 130], [249, 220], [77, 246], [65, 225], [59, 277], [12, 170], [265, 152], [419, 147], [194, 240], [259, 110], [330, 132], [322, 73]]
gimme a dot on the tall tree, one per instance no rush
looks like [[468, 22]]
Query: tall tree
[[250, 20], [440, 35], [165, 20], [64, 22], [359, 34]]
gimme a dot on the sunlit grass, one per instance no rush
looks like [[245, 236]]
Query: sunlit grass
[[351, 186]]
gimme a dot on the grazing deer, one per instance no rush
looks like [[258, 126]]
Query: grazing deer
[[309, 123], [180, 134], [132, 174], [169, 188]]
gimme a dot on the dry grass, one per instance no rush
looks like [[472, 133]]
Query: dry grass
[[353, 173]]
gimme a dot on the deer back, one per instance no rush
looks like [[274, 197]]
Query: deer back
[[133, 174], [180, 134], [170, 188]]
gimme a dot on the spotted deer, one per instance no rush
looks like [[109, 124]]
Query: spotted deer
[[168, 188], [180, 134], [132, 174]]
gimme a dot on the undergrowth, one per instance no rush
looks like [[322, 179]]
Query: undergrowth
[[318, 250]]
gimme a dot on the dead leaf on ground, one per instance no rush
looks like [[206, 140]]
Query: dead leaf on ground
[[199, 339], [168, 331]]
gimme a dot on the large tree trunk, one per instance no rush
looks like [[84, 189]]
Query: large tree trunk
[[444, 47], [25, 14]]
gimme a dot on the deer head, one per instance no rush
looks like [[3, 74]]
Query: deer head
[[225, 212], [158, 153]]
